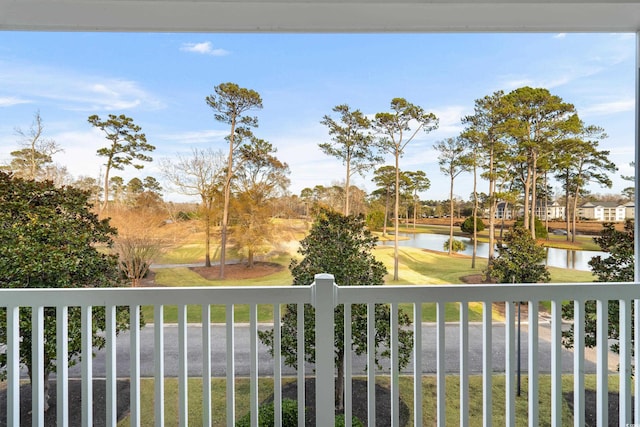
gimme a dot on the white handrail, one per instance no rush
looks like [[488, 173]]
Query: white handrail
[[324, 294]]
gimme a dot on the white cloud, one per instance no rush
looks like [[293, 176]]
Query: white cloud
[[611, 107], [73, 90], [449, 118], [195, 137], [204, 48], [510, 82], [12, 100], [560, 36]]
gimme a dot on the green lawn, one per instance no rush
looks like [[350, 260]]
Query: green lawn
[[417, 267], [265, 389]]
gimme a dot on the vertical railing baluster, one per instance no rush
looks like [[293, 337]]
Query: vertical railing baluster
[[253, 363], [556, 363], [324, 301], [325, 376], [134, 360], [624, 404], [395, 367], [62, 365], [87, 365], [111, 374], [348, 403], [578, 364], [371, 364], [440, 362], [636, 353], [13, 365], [602, 370], [487, 363], [158, 357], [533, 364], [37, 369], [464, 364], [206, 365], [300, 362], [231, 367], [510, 364], [277, 365], [183, 374], [417, 364]]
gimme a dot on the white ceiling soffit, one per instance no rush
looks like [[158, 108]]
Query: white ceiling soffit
[[321, 15]]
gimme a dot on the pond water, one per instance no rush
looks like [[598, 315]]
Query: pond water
[[563, 258]]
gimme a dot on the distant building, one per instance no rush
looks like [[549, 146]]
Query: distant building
[[629, 210], [504, 210], [606, 211], [552, 210]]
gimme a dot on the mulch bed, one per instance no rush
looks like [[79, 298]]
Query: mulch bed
[[75, 399], [359, 402], [239, 271], [590, 402]]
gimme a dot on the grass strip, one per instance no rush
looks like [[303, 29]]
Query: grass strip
[[429, 403]]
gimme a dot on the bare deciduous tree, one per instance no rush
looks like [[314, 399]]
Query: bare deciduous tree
[[202, 175]]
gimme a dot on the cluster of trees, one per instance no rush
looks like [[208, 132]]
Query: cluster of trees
[[238, 189], [360, 143], [518, 142], [515, 141]]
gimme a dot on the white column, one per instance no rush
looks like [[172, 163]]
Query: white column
[[325, 375]]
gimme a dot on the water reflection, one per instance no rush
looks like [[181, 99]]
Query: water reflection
[[563, 258]]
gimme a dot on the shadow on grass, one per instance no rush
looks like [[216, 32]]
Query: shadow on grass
[[359, 402], [75, 403], [590, 403]]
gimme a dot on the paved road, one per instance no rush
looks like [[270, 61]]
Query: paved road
[[218, 354]]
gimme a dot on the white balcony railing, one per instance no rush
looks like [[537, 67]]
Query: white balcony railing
[[324, 294]]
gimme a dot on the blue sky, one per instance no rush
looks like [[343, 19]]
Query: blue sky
[[161, 81]]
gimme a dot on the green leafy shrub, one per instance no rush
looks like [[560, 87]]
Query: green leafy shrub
[[355, 421], [375, 220], [541, 230], [266, 415], [467, 225], [456, 246]]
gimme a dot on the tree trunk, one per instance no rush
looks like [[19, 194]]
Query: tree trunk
[[396, 213], [207, 238], [475, 216], [534, 202], [493, 205], [340, 382], [574, 214], [451, 216], [346, 189], [47, 386], [526, 183], [250, 258], [227, 198], [566, 206]]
